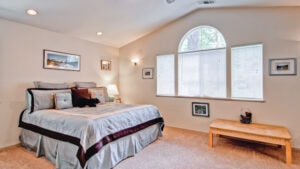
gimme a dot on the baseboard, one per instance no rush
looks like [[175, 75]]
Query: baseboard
[[9, 147]]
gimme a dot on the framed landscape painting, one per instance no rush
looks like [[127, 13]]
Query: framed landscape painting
[[282, 66], [105, 65], [61, 61]]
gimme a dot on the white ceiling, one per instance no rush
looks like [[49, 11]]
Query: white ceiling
[[121, 21]]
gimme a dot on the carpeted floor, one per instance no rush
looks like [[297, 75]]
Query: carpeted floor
[[178, 149]]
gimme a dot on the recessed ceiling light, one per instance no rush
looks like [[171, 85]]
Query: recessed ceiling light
[[99, 33], [31, 12]]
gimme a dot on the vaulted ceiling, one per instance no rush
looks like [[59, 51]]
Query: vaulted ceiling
[[120, 21]]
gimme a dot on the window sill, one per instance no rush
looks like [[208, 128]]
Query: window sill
[[211, 98]]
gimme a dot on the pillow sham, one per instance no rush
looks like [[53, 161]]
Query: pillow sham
[[46, 85], [42, 98], [102, 91], [85, 84], [78, 94], [63, 100], [95, 94]]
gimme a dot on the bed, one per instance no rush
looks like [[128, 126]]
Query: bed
[[88, 137]]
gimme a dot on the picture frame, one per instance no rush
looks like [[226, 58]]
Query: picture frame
[[200, 109], [60, 60], [147, 73], [280, 67], [105, 65]]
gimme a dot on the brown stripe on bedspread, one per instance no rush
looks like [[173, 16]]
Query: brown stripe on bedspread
[[81, 155], [112, 137]]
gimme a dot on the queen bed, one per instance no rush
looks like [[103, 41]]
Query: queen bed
[[88, 137]]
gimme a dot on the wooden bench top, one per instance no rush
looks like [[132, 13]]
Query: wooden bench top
[[253, 128]]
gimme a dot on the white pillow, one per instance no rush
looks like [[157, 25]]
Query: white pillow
[[63, 100]]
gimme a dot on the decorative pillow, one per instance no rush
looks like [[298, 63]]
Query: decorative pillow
[[102, 91], [46, 85], [78, 94], [42, 98], [95, 94], [63, 100], [85, 84]]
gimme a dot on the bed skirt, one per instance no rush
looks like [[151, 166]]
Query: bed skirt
[[63, 154]]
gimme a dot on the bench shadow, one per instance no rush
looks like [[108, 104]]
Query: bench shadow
[[271, 150]]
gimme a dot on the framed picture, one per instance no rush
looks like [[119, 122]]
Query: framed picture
[[148, 73], [200, 109], [61, 61], [105, 65], [282, 67]]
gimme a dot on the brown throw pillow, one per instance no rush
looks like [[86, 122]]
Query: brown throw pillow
[[78, 94]]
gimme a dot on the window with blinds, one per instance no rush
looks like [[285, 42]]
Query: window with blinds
[[202, 73], [202, 63], [247, 72], [165, 75]]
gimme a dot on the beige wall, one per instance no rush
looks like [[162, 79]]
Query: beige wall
[[21, 63], [277, 28]]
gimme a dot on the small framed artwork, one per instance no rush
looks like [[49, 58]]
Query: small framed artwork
[[105, 65], [148, 73], [200, 109], [61, 61], [279, 67]]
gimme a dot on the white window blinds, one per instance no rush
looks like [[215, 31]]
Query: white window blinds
[[202, 73], [165, 84], [247, 72]]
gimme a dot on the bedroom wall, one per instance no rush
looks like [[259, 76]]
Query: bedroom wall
[[21, 63], [277, 28]]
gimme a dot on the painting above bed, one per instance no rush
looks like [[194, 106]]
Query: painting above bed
[[61, 61]]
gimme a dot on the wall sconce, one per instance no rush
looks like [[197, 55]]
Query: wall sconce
[[135, 61]]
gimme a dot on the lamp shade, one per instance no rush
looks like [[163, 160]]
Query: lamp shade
[[112, 90]]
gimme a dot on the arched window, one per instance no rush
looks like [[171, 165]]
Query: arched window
[[202, 38], [202, 63]]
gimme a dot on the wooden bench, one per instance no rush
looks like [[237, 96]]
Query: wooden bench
[[258, 132]]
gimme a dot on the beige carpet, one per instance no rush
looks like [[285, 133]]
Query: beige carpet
[[178, 149]]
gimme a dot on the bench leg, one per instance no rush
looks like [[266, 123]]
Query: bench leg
[[210, 139], [288, 152]]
